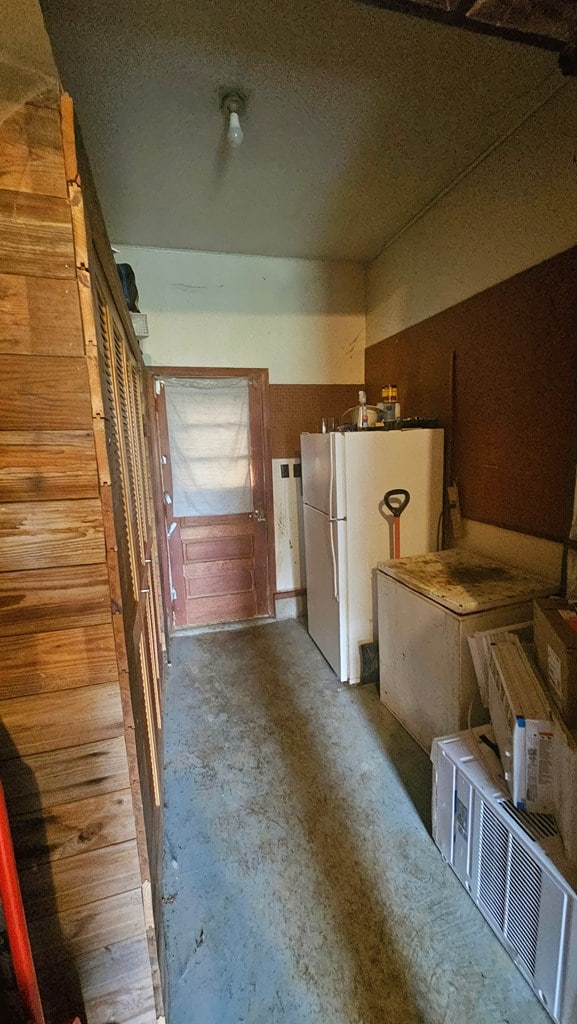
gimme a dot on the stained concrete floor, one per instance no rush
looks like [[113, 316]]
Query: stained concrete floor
[[301, 882]]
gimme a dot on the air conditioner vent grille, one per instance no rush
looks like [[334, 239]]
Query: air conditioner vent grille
[[493, 866], [140, 325], [523, 905], [509, 887], [536, 826]]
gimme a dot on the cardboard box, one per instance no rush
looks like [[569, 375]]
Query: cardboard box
[[556, 646]]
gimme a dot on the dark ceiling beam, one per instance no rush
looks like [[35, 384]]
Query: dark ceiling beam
[[432, 10]]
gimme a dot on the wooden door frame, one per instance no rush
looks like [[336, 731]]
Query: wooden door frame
[[260, 375]]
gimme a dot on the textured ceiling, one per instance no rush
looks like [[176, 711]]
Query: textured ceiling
[[356, 119]]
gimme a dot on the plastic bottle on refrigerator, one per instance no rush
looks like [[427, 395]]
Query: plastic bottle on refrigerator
[[363, 420]]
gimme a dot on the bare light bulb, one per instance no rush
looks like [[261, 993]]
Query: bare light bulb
[[235, 134]]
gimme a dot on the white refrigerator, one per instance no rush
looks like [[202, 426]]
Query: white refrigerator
[[348, 530]]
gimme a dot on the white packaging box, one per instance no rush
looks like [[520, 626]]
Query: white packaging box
[[523, 726], [480, 648]]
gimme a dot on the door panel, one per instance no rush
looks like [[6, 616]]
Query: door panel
[[215, 547], [134, 524], [169, 527], [219, 570], [219, 565]]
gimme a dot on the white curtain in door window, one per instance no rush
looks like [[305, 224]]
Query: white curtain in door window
[[208, 429]]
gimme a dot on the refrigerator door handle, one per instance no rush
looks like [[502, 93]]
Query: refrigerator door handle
[[334, 558], [331, 477], [332, 518]]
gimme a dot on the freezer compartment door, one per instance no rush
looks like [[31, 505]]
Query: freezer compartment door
[[323, 473], [326, 588]]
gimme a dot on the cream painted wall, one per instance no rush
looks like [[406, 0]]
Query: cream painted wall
[[303, 319], [514, 210]]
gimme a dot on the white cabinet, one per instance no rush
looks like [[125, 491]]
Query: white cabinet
[[428, 606]]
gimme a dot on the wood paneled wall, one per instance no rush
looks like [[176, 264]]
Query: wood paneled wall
[[500, 369], [63, 756], [298, 408]]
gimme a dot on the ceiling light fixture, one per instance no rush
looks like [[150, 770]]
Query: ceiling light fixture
[[234, 105]]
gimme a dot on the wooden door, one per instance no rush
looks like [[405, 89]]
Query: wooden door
[[128, 453], [219, 566]]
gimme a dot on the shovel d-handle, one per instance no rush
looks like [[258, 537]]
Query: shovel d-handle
[[399, 507], [402, 499]]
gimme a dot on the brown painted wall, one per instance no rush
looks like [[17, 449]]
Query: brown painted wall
[[297, 408], [513, 397]]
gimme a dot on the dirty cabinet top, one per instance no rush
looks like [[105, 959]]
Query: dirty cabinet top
[[464, 581]]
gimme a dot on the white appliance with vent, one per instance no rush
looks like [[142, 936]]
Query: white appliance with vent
[[480, 648], [347, 531], [140, 325], [512, 864]]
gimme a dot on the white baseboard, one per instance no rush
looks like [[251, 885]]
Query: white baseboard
[[290, 607]]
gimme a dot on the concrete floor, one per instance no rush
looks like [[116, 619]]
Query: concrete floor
[[301, 882]]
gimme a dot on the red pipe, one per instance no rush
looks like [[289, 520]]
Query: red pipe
[[11, 899]]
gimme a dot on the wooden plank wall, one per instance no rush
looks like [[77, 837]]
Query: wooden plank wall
[[63, 757], [124, 459], [501, 369]]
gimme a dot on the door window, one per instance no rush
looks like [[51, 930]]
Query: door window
[[208, 427]]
